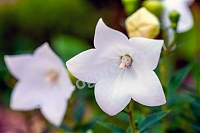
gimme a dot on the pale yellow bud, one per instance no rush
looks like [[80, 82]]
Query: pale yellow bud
[[142, 23]]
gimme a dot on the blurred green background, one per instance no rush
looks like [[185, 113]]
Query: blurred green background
[[68, 25]]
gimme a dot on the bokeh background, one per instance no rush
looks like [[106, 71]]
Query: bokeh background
[[68, 25]]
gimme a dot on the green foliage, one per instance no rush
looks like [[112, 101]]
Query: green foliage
[[78, 113], [113, 128], [179, 99], [196, 128], [67, 46], [58, 15], [65, 128], [92, 123], [176, 80], [195, 107], [151, 119]]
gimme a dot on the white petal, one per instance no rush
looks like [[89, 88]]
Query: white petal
[[28, 95], [93, 65], [148, 90], [65, 86], [47, 58], [112, 94], [46, 53], [189, 2], [170, 35], [17, 64], [186, 19], [147, 52], [54, 107], [25, 65], [105, 37]]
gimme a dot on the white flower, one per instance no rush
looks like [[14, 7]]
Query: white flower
[[122, 69], [181, 6], [42, 82]]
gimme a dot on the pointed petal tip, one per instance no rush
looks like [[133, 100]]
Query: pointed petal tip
[[112, 113], [44, 47], [55, 121], [6, 58], [14, 106], [46, 44], [161, 42], [57, 124], [100, 22], [161, 102], [154, 104], [67, 63]]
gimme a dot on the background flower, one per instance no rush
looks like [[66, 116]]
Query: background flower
[[43, 83], [181, 6]]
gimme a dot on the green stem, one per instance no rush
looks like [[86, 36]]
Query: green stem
[[164, 71], [130, 113], [164, 66]]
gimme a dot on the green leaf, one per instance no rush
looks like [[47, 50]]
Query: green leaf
[[196, 128], [179, 99], [176, 80], [67, 46], [151, 119], [113, 128], [78, 113], [128, 130], [92, 123], [66, 128], [195, 107]]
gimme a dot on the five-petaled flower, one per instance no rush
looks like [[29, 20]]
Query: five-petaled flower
[[185, 22], [122, 69], [42, 83]]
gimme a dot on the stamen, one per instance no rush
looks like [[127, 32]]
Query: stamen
[[122, 65], [52, 76], [126, 61]]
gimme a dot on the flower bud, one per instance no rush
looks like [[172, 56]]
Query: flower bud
[[154, 6], [174, 18], [142, 23], [130, 5]]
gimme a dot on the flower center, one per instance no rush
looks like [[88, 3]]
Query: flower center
[[126, 61], [52, 76]]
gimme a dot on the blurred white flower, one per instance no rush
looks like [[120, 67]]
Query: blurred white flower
[[43, 83], [185, 22], [122, 69], [189, 2]]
